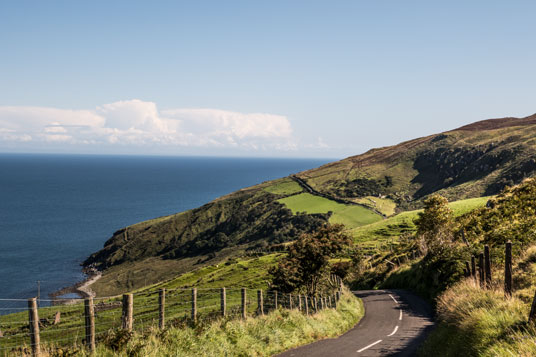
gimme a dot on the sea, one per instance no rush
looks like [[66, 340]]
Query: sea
[[55, 210]]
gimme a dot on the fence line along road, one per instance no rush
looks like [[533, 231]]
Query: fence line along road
[[35, 330]]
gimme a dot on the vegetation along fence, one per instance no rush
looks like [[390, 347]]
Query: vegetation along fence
[[482, 275], [27, 329]]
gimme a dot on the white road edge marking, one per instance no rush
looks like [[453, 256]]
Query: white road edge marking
[[394, 331], [400, 317], [396, 302], [369, 346]]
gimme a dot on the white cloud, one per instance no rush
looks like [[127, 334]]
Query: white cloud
[[220, 122], [138, 123]]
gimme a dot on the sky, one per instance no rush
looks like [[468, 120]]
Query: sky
[[257, 78]]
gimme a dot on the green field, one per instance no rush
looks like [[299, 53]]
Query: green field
[[463, 206], [284, 186], [393, 227], [384, 205], [350, 216]]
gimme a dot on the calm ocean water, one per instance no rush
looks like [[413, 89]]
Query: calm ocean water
[[55, 210]]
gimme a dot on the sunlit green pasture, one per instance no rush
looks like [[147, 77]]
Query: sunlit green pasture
[[349, 215], [284, 186]]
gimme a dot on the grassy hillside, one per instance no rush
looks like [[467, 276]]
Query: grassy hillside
[[469, 162], [391, 228], [472, 161], [248, 272], [506, 216]]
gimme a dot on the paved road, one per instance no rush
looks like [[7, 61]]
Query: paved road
[[395, 324]]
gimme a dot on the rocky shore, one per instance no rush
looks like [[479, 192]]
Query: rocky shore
[[82, 288]]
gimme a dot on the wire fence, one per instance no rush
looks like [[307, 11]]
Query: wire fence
[[29, 329]]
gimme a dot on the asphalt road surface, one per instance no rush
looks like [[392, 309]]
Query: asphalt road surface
[[396, 322]]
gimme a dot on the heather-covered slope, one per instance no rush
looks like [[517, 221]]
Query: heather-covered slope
[[250, 218]]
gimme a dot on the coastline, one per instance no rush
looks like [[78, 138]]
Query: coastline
[[85, 288], [82, 289]]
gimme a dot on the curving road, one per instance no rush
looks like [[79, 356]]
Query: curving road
[[395, 323]]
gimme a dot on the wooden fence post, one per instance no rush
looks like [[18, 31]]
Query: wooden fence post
[[481, 274], [194, 304], [89, 313], [508, 269], [223, 302], [275, 300], [306, 305], [473, 267], [162, 308], [35, 339], [260, 303], [128, 308], [468, 268], [244, 304], [487, 264], [532, 314]]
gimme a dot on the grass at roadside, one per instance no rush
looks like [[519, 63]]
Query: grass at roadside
[[261, 336], [477, 322]]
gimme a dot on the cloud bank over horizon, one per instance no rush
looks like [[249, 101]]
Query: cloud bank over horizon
[[139, 124]]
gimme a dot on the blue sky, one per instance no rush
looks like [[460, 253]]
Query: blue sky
[[252, 78]]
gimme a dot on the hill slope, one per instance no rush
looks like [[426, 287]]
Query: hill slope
[[472, 161]]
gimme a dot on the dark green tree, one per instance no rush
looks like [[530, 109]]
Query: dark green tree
[[307, 263]]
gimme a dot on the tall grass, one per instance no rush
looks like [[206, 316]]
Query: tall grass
[[276, 332], [478, 322]]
